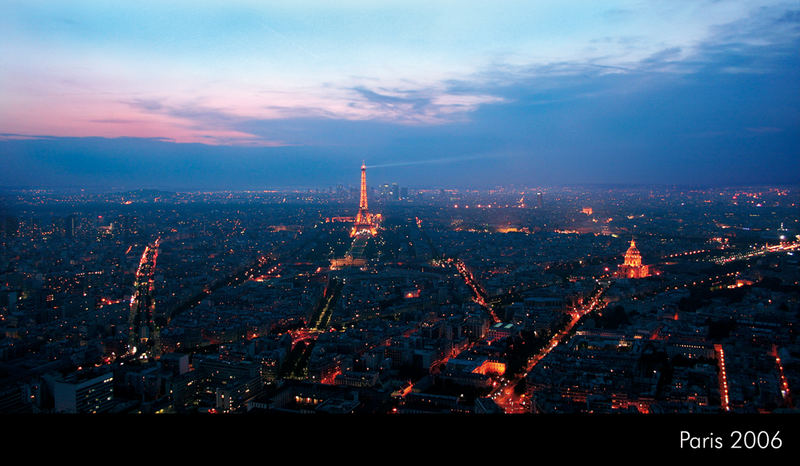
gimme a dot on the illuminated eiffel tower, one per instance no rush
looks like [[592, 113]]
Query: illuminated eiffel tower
[[364, 224]]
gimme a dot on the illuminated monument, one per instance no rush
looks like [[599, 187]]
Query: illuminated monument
[[365, 221], [632, 267]]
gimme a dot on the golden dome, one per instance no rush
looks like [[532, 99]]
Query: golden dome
[[632, 257]]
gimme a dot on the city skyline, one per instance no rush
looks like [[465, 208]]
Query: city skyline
[[437, 301], [248, 96], [405, 207]]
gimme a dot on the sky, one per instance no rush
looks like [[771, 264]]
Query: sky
[[250, 95]]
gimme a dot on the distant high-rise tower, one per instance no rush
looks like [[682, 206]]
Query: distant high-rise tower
[[539, 199], [364, 221]]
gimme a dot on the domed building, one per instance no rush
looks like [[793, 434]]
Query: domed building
[[632, 267]]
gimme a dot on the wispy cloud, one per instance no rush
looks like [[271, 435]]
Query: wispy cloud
[[428, 106], [765, 129], [448, 160], [343, 66]]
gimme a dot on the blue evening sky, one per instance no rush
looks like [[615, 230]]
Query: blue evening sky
[[243, 95]]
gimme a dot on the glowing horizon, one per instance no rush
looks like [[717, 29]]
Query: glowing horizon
[[557, 90]]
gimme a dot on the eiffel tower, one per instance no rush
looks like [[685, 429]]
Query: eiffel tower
[[364, 224]]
